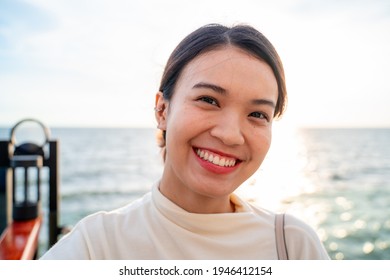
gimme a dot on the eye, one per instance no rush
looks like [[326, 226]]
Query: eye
[[259, 115], [209, 100]]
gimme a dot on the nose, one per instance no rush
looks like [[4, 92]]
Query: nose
[[228, 129]]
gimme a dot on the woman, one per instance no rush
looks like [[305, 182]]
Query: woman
[[220, 92]]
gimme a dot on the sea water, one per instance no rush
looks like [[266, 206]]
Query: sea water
[[336, 180]]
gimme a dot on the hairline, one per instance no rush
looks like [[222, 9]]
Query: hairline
[[218, 47]]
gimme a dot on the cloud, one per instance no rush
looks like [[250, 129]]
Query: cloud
[[105, 58]]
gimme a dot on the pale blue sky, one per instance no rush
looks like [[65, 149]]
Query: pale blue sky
[[98, 63]]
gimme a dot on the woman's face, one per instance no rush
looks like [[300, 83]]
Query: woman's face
[[218, 126]]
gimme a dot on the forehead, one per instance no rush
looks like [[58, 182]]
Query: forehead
[[229, 67], [214, 57]]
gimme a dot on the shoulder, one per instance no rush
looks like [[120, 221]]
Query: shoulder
[[302, 240], [296, 226], [92, 234], [107, 219]]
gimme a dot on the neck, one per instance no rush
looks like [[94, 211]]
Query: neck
[[197, 203]]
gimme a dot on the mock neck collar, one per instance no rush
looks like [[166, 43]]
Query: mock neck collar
[[219, 222]]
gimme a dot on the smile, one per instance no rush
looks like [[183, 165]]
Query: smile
[[215, 159]]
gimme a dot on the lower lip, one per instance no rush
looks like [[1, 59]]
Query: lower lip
[[215, 168]]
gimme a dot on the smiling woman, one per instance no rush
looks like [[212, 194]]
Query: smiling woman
[[229, 96], [220, 92]]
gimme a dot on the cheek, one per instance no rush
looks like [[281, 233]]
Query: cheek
[[261, 143], [179, 124], [183, 117]]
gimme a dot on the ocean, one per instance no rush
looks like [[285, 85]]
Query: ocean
[[336, 180]]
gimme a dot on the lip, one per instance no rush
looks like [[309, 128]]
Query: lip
[[217, 169]]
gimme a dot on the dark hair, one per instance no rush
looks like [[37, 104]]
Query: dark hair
[[213, 36]]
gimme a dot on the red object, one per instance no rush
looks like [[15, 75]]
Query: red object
[[19, 241]]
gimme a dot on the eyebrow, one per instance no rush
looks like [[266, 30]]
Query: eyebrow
[[213, 87], [222, 91], [264, 102]]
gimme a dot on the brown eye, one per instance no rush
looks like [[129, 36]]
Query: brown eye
[[209, 100], [258, 115]]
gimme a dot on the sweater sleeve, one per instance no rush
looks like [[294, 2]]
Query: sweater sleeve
[[302, 241]]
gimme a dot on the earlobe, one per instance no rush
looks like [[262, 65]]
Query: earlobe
[[160, 110]]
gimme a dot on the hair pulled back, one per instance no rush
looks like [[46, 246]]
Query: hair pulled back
[[211, 37]]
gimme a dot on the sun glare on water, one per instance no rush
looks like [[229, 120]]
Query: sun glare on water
[[281, 176]]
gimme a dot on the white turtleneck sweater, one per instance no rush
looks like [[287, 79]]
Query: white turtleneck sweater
[[153, 227]]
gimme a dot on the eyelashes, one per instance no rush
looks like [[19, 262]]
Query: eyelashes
[[259, 115], [209, 100], [256, 115]]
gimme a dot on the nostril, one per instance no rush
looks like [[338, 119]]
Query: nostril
[[228, 135]]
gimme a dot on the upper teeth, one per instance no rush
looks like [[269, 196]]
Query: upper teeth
[[215, 159]]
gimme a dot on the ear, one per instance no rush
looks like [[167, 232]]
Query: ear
[[161, 110]]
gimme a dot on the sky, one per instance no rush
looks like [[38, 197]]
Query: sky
[[98, 63]]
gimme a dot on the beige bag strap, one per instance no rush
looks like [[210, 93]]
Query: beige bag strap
[[281, 247]]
